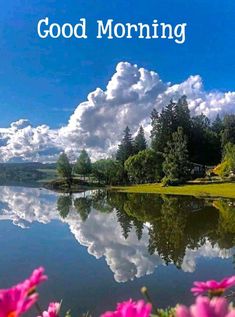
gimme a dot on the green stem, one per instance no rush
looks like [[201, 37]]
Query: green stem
[[145, 293]]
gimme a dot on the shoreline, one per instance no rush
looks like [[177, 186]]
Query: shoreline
[[223, 190]]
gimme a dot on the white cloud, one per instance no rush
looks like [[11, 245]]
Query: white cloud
[[22, 141], [97, 123]]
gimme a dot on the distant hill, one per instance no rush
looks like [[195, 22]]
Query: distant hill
[[28, 172], [35, 165]]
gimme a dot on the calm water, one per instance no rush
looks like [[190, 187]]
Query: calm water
[[100, 248]]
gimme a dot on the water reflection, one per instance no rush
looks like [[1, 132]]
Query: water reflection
[[134, 233]]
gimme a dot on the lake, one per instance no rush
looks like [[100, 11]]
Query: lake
[[99, 248]]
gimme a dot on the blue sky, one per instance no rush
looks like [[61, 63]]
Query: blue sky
[[44, 80], [52, 82]]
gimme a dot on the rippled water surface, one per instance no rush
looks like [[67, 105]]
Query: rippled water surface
[[99, 248]]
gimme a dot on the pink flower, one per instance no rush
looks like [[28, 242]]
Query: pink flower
[[36, 278], [53, 310], [204, 307], [16, 301], [130, 309], [213, 287]]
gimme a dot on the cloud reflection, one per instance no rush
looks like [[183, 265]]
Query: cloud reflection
[[101, 232]]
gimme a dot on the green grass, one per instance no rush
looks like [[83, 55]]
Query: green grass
[[202, 190]]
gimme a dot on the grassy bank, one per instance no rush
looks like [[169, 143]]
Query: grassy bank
[[208, 190], [76, 185]]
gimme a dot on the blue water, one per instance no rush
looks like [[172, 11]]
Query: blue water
[[93, 257]]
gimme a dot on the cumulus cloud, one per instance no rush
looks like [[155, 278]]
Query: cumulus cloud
[[22, 141], [101, 233], [98, 122]]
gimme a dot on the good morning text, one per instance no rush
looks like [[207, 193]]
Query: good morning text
[[110, 29]]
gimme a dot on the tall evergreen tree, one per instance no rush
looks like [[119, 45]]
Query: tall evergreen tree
[[174, 115], [140, 143], [182, 115], [176, 164], [204, 143], [228, 134], [217, 125], [125, 148]]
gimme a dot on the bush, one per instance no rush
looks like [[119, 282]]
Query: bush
[[166, 181]]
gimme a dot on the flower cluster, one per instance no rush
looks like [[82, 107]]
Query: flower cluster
[[205, 307], [210, 301], [18, 299], [130, 309], [213, 288]]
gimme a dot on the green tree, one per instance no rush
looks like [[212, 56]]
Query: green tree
[[217, 125], [176, 164], [228, 134], [199, 131], [204, 143], [108, 171], [230, 155], [83, 164], [174, 115], [125, 148], [227, 165], [64, 168], [140, 143], [146, 166]]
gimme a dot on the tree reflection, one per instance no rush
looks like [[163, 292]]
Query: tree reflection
[[226, 225], [83, 206], [174, 223], [139, 226], [64, 203]]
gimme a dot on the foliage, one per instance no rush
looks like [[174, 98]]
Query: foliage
[[228, 134], [64, 168], [199, 131], [176, 164], [126, 147], [140, 143], [204, 143], [229, 155], [222, 169], [228, 164], [174, 115], [108, 171], [83, 164], [218, 125], [144, 167]]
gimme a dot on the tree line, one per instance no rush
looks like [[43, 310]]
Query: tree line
[[178, 141]]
